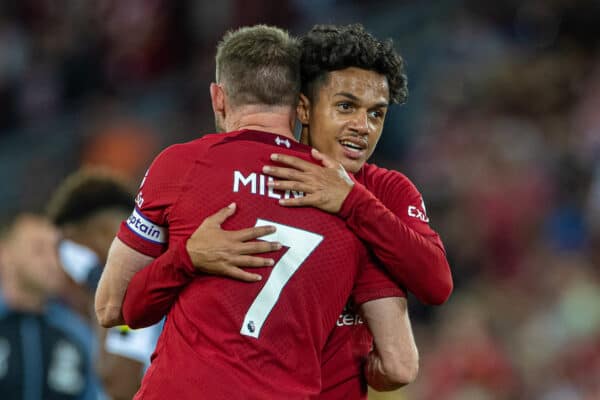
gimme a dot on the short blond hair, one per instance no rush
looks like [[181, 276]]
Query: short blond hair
[[259, 65]]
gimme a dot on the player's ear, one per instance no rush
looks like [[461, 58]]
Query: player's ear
[[217, 98], [303, 109]]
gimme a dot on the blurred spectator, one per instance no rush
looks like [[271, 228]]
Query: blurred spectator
[[88, 207], [45, 348], [467, 360]]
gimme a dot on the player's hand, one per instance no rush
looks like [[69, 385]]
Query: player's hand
[[325, 187], [219, 252], [378, 376]]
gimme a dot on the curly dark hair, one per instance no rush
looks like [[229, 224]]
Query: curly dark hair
[[87, 192], [328, 48]]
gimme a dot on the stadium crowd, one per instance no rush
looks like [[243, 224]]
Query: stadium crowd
[[500, 133]]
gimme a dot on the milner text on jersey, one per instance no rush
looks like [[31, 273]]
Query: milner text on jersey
[[257, 184]]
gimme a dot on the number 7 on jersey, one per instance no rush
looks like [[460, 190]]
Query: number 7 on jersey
[[301, 244]]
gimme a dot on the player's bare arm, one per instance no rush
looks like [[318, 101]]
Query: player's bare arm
[[121, 265], [217, 251], [325, 187], [394, 361]]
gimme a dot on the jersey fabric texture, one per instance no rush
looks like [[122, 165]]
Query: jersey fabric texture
[[226, 339], [46, 355], [387, 211]]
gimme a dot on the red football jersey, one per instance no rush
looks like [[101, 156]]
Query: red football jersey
[[226, 339], [387, 210]]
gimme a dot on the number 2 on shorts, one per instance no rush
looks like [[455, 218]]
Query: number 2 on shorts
[[301, 243]]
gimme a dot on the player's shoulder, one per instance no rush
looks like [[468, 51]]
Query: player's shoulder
[[179, 153], [376, 177], [185, 149]]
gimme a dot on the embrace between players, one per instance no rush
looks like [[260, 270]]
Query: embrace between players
[[334, 232]]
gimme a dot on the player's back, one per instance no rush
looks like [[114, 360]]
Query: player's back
[[256, 340]]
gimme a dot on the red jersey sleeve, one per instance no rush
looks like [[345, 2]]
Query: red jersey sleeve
[[146, 229], [374, 283], [152, 290], [387, 211]]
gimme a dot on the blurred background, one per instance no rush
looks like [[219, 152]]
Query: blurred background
[[501, 133]]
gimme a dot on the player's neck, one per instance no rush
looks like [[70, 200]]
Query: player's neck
[[276, 119]]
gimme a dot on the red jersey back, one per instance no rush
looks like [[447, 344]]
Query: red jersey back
[[230, 339]]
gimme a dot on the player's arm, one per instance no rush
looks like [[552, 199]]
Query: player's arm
[[153, 289], [144, 235], [410, 250], [394, 360], [210, 249], [121, 265]]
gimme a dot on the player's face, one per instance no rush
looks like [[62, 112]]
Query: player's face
[[32, 253], [346, 117]]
